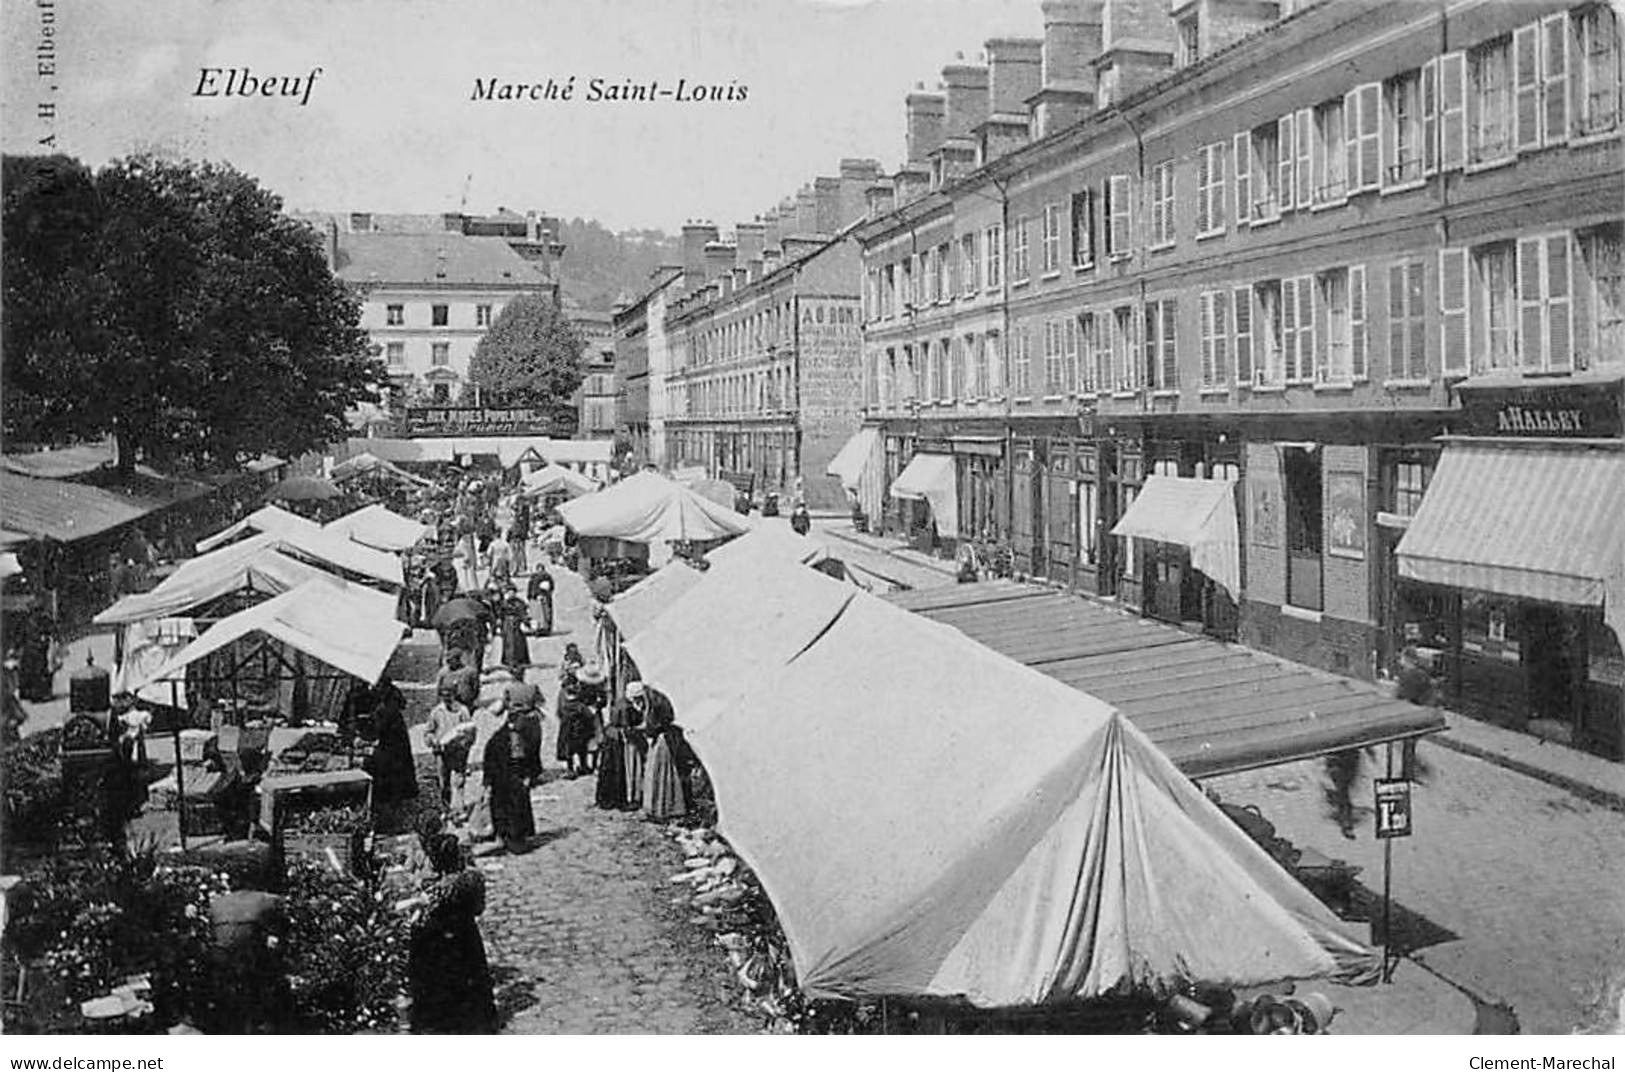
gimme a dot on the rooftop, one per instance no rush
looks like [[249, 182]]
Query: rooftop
[[443, 258]]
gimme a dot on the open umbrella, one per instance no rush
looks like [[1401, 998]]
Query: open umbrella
[[302, 489], [461, 609]]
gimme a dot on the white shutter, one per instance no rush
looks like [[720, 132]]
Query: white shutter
[[1203, 222], [1370, 135], [1396, 322], [1429, 106], [1289, 329], [1454, 334], [1452, 110], [1306, 327], [1526, 110], [1554, 63], [1531, 304], [1207, 337], [1559, 294], [1357, 343], [1244, 177], [1306, 173], [1241, 300], [1284, 160], [1351, 140]]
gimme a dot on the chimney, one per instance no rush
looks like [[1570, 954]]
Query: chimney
[[719, 259], [856, 178], [879, 196], [772, 258], [1136, 48], [926, 112], [800, 246], [741, 276], [967, 98], [1015, 69], [827, 203], [749, 240], [806, 212], [1221, 23], [695, 237], [331, 246], [770, 229], [1072, 39]]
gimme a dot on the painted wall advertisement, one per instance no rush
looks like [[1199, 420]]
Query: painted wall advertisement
[[1345, 514]]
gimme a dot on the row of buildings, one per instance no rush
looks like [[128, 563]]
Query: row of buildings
[[1356, 264]]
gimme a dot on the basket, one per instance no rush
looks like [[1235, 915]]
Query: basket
[[339, 853]]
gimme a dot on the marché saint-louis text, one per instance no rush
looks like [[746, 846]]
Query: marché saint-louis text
[[596, 90]]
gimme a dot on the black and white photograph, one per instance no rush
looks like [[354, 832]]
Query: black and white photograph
[[707, 519]]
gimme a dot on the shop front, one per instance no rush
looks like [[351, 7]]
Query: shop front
[[1512, 571], [928, 488], [1193, 550]]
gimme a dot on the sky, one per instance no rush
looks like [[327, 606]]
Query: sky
[[390, 123]]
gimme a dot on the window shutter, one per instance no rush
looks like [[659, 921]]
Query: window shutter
[[1357, 355], [1351, 140], [1203, 223], [1284, 160], [1370, 135], [1306, 327], [1243, 320], [1206, 301], [1430, 117], [1244, 177], [1531, 344], [1454, 334], [1170, 356], [1306, 171], [1396, 322], [1559, 303], [1452, 110], [1221, 340], [1419, 329], [1108, 207], [1526, 80], [1289, 328], [1218, 167], [1554, 32]]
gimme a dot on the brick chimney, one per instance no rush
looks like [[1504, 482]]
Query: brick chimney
[[1221, 23], [1015, 67], [827, 204], [1136, 48], [719, 260], [1072, 35], [806, 211], [879, 195], [856, 178], [926, 115], [696, 234], [967, 98], [749, 241]]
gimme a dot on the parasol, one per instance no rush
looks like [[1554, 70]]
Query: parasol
[[303, 488], [461, 609]]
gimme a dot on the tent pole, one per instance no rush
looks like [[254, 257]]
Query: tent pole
[[1387, 889], [180, 768]]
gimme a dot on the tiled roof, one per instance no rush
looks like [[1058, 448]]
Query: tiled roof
[[437, 259], [63, 462], [66, 511]]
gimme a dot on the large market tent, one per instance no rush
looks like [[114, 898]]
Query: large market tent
[[365, 466], [634, 609], [308, 540], [380, 528], [1199, 515], [335, 628], [556, 478], [984, 832], [778, 541], [647, 507]]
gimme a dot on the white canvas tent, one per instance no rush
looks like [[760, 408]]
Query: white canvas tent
[[553, 478], [774, 540], [647, 508], [634, 609], [336, 629], [378, 527], [308, 540], [983, 831]]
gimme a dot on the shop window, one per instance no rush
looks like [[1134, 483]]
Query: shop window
[[1224, 471], [1410, 485], [1490, 626], [1165, 467], [1301, 477], [1088, 514], [1603, 286]]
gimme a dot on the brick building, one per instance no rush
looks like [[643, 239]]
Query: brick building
[[640, 368], [1359, 260]]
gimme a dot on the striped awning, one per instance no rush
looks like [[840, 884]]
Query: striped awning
[[1533, 522]]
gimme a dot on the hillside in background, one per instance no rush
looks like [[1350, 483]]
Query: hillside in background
[[601, 265]]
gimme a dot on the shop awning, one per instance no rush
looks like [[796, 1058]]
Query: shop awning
[[1214, 708], [1533, 522], [854, 457], [931, 477], [1195, 514]]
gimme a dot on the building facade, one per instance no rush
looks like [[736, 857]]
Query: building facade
[[632, 327], [597, 400], [1297, 251]]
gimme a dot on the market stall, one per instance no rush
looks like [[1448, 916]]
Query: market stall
[[307, 540], [557, 480], [380, 528]]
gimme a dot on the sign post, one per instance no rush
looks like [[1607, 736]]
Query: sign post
[[1393, 815]]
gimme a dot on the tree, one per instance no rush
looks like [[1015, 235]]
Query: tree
[[173, 306], [531, 356]]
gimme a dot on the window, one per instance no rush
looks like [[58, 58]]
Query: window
[[1021, 373], [1402, 146], [441, 392], [1119, 217], [1083, 228], [1494, 296], [1242, 320], [1215, 338], [1161, 195], [1298, 329], [1054, 355], [1303, 140], [931, 381], [1161, 364], [440, 354], [1242, 153], [1452, 67], [1596, 71], [1070, 333], [1052, 238], [1407, 330], [945, 272], [1018, 251], [396, 353], [394, 315], [993, 251], [1095, 353], [1125, 366], [439, 315], [1300, 475], [1453, 311], [1410, 484], [1189, 46], [1362, 137], [968, 275], [482, 316], [1330, 154], [906, 295], [1603, 287], [1490, 101], [1270, 361], [1335, 362], [1545, 305], [956, 367], [1210, 190], [1266, 161]]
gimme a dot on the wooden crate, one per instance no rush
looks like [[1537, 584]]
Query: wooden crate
[[337, 852]]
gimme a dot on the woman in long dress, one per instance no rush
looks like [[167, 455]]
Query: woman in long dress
[[508, 781], [449, 976], [664, 796], [512, 612], [611, 794], [634, 743]]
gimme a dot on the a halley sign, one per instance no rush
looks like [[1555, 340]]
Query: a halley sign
[[1583, 410], [476, 421]]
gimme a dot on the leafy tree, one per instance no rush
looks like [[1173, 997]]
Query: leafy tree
[[531, 356], [174, 306]]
